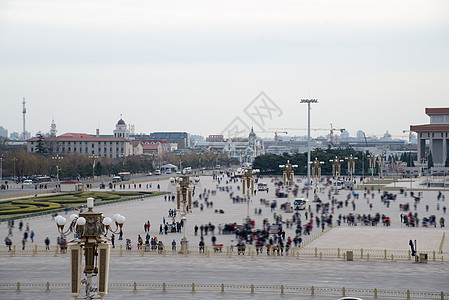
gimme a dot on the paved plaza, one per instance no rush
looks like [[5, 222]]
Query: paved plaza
[[263, 269]]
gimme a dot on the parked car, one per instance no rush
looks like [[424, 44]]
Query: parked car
[[149, 174]]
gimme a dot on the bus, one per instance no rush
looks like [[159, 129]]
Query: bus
[[42, 179], [125, 176]]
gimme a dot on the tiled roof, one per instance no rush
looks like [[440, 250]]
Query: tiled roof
[[437, 111]]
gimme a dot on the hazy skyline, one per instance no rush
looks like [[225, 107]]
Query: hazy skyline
[[196, 65]]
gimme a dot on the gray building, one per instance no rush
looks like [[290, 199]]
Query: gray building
[[181, 138]]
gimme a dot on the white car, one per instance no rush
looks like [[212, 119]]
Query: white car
[[149, 174]]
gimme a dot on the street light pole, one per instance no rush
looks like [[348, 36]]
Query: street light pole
[[308, 101], [1, 168], [184, 194], [57, 158], [91, 229], [248, 185], [288, 180], [14, 173], [94, 157]]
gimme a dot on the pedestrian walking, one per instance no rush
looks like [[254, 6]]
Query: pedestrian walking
[[47, 243]]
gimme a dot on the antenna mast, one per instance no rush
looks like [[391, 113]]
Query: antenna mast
[[24, 111]]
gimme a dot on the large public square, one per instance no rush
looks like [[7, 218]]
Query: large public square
[[216, 268]]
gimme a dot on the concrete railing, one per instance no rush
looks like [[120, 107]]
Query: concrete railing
[[234, 288], [248, 251]]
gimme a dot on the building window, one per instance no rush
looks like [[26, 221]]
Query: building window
[[110, 149], [105, 149], [86, 149], [63, 149], [93, 152], [32, 149], [92, 145], [116, 149], [110, 143], [69, 149]]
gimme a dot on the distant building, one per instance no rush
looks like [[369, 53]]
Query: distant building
[[215, 138], [121, 130], [180, 138], [83, 143], [3, 132], [434, 137]]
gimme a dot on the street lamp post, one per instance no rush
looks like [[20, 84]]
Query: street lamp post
[[351, 166], [184, 195], [14, 163], [372, 163], [308, 101], [90, 229], [57, 158], [288, 180], [1, 168], [93, 157], [248, 185], [336, 167], [316, 173]]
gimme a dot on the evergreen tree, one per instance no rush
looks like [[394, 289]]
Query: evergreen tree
[[40, 145]]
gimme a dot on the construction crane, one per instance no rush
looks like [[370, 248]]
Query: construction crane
[[276, 137], [331, 135]]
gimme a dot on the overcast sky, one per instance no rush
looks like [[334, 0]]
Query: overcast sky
[[196, 66]]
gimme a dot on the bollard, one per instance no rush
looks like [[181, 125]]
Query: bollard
[[321, 255], [409, 255], [35, 250], [205, 249], [297, 255], [56, 250], [227, 250], [375, 293], [343, 292], [193, 288], [344, 255], [141, 251], [208, 253], [392, 258], [230, 253], [385, 253], [408, 294], [163, 251], [282, 289], [249, 250], [222, 288], [252, 254], [13, 252], [163, 288], [135, 287], [338, 252], [433, 255], [121, 250], [441, 259], [312, 291], [47, 287], [367, 256], [442, 296], [316, 252], [252, 288], [18, 287], [361, 253]]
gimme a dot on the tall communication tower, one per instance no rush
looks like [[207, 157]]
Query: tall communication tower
[[24, 111]]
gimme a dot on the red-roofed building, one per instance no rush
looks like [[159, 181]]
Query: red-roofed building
[[83, 143], [434, 137]]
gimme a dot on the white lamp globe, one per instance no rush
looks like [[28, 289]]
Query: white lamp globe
[[107, 221], [81, 221], [60, 220], [172, 180], [121, 219], [73, 217], [114, 217]]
